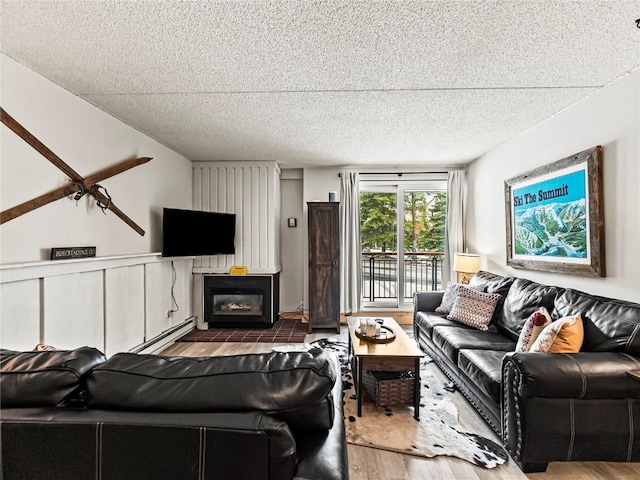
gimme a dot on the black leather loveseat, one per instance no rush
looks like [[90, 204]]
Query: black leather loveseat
[[76, 415], [546, 407]]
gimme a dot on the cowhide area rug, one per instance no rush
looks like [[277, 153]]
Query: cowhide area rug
[[394, 428]]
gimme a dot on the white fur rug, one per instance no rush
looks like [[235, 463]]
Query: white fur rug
[[394, 428]]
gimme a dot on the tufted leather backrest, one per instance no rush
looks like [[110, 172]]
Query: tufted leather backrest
[[492, 283], [609, 325], [293, 386], [524, 298]]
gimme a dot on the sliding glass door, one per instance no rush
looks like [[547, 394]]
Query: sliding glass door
[[379, 236], [402, 230]]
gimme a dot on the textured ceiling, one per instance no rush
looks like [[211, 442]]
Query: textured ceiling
[[327, 82]]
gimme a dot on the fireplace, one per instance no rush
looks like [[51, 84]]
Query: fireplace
[[241, 300]]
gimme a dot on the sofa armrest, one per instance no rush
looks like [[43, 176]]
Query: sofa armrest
[[585, 375], [569, 407], [45, 378], [323, 455], [427, 301]]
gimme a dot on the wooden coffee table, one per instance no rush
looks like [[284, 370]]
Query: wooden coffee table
[[400, 355]]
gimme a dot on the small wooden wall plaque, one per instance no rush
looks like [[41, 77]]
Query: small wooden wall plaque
[[65, 253]]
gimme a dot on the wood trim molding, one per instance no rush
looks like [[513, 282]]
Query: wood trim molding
[[24, 271]]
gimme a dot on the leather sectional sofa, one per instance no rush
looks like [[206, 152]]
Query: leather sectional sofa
[[546, 407], [75, 414]]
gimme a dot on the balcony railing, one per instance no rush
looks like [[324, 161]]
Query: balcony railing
[[422, 271]]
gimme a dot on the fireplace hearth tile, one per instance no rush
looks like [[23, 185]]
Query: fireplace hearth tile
[[283, 331]]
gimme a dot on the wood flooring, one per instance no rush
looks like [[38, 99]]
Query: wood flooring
[[373, 464], [402, 317]]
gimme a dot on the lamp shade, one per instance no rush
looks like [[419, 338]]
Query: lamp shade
[[466, 263]]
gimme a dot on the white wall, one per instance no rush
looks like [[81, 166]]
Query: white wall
[[609, 117], [294, 251], [120, 299], [88, 140]]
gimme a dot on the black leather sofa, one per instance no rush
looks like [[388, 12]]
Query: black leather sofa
[[75, 414], [546, 407]]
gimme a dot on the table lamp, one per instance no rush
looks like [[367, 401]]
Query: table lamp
[[466, 265]]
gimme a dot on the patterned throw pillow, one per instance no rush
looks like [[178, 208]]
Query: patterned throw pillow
[[532, 328], [565, 335], [450, 295], [474, 308]]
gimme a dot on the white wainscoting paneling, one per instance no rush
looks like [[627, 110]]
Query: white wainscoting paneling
[[124, 308], [112, 303], [73, 310], [20, 314], [158, 294], [182, 281], [198, 301]]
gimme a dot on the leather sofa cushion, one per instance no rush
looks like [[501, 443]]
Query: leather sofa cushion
[[523, 299], [452, 339], [426, 321], [45, 378], [609, 325], [483, 367], [293, 386]]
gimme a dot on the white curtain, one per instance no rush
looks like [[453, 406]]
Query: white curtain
[[454, 231], [350, 255]]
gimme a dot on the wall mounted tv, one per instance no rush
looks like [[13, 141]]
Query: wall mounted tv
[[187, 233]]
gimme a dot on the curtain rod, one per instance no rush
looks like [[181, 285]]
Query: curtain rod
[[399, 173]]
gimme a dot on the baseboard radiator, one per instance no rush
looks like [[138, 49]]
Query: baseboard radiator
[[166, 338]]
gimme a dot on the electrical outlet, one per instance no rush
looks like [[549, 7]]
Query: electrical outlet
[[169, 314]]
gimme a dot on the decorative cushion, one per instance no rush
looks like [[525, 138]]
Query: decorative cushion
[[450, 294], [474, 308], [565, 335], [532, 328]]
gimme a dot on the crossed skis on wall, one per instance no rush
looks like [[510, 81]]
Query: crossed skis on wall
[[77, 185]]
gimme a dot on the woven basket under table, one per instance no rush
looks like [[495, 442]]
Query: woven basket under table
[[389, 388]]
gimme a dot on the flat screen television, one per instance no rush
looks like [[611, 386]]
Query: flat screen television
[[187, 233]]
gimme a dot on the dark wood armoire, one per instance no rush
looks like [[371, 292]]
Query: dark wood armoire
[[324, 265]]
